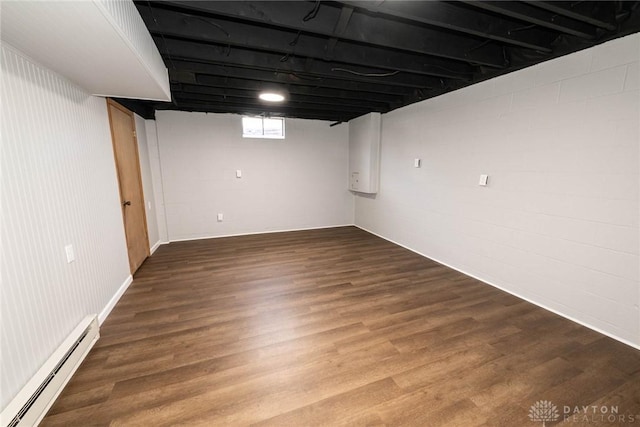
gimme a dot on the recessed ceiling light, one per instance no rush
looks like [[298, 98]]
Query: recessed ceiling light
[[271, 97]]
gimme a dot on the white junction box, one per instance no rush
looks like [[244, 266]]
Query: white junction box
[[355, 181]]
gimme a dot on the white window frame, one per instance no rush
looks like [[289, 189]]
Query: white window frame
[[263, 136]]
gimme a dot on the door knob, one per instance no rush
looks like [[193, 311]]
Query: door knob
[[126, 203]]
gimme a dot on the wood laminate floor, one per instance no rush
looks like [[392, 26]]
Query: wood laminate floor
[[335, 327]]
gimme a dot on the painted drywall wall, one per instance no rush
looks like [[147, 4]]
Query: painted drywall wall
[[298, 182], [58, 187], [558, 222], [147, 181]]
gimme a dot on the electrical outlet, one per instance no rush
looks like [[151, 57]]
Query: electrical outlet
[[238, 173], [220, 217]]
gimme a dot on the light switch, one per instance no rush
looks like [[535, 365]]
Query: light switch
[[238, 173], [220, 217], [483, 180], [70, 255], [417, 163]]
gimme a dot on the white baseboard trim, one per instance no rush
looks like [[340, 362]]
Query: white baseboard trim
[[559, 313], [262, 232], [114, 300], [156, 246]]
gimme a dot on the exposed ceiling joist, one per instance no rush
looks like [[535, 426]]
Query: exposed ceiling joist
[[600, 14], [459, 19], [211, 30], [293, 96], [536, 16], [362, 28], [337, 60], [244, 101], [199, 72], [217, 53], [206, 81], [338, 31], [208, 107]]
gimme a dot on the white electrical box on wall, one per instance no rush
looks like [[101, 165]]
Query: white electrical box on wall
[[364, 153], [355, 181]]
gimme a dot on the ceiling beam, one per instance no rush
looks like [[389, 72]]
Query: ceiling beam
[[301, 88], [450, 17], [366, 90], [252, 94], [599, 13], [256, 103], [341, 26], [220, 54], [203, 70], [536, 16], [286, 42], [205, 107], [362, 28]]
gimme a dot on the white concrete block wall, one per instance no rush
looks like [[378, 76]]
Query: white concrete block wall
[[295, 183], [156, 179], [558, 222], [147, 182]]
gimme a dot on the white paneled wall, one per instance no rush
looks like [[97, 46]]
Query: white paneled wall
[[298, 182], [58, 188], [558, 222]]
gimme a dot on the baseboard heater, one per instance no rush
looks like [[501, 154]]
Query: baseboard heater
[[31, 404]]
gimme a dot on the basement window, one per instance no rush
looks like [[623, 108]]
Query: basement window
[[263, 127]]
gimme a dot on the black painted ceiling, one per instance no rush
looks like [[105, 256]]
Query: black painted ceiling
[[340, 60]]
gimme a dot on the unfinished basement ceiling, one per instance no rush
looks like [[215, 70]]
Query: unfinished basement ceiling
[[340, 60]]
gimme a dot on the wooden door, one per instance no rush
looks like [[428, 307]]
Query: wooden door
[[125, 149]]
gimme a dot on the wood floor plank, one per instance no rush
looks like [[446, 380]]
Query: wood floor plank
[[332, 327], [341, 409]]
